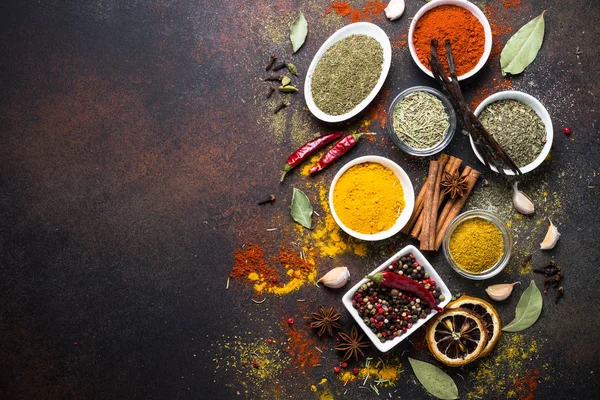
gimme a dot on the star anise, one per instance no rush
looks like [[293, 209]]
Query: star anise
[[454, 184], [351, 344], [325, 320]]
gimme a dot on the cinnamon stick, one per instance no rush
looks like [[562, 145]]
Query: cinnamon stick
[[419, 201], [426, 242], [451, 166], [456, 207], [435, 207]]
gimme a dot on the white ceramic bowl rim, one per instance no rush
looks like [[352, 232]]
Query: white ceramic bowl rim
[[389, 344], [358, 28], [475, 11], [409, 198], [539, 109]]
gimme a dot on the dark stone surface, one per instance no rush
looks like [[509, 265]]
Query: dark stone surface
[[132, 149]]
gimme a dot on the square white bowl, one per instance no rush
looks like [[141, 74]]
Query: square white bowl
[[389, 344]]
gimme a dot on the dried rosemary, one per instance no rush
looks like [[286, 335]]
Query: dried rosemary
[[517, 128], [420, 120], [346, 74]]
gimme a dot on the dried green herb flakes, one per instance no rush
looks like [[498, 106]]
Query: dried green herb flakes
[[517, 128], [420, 120], [346, 74]]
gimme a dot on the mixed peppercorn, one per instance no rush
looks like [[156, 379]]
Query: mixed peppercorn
[[389, 312]]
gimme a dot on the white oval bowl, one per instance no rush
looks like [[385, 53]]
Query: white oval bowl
[[487, 30], [358, 28], [388, 345], [409, 198], [539, 109]]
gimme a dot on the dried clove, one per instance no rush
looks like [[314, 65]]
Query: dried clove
[[280, 65], [281, 107], [270, 199], [559, 293], [274, 78], [270, 92], [271, 62]]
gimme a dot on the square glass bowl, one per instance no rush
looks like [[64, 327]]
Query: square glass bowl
[[506, 239], [430, 150], [389, 344]]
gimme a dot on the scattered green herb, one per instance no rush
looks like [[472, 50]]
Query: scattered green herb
[[528, 309], [420, 120], [346, 74], [285, 81], [292, 69], [436, 381], [301, 209], [517, 128], [298, 32], [522, 48]]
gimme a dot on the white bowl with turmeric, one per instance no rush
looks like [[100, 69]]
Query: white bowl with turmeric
[[371, 198]]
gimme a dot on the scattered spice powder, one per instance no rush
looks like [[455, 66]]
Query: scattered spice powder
[[250, 262], [385, 374], [328, 238], [371, 10], [302, 347], [525, 386], [496, 374]]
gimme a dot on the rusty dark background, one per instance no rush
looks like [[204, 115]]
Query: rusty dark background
[[128, 165]]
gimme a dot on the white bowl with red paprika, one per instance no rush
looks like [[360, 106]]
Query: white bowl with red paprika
[[397, 298]]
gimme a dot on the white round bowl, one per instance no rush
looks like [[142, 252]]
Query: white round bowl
[[409, 198], [464, 4], [358, 28], [539, 109]]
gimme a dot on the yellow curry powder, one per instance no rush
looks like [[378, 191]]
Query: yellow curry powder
[[476, 245], [368, 198]]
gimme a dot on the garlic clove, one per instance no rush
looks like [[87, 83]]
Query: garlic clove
[[521, 201], [501, 291], [394, 9], [551, 237], [336, 278]]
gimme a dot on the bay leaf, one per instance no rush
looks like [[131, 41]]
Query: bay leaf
[[528, 309], [298, 32], [301, 209], [434, 380], [522, 48]]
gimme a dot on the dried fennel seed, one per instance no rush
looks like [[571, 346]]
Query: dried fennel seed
[[346, 74], [420, 120], [517, 128]]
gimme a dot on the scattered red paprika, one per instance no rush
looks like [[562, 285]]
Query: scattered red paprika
[[307, 149]]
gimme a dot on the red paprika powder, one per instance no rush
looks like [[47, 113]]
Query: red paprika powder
[[457, 24]]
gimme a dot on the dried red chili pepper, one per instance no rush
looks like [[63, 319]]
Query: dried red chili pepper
[[338, 150], [395, 281], [307, 149]]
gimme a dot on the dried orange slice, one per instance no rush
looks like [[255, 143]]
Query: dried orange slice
[[456, 336], [487, 313]]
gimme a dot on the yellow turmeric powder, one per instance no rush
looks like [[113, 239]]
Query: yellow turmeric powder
[[476, 245], [368, 198]]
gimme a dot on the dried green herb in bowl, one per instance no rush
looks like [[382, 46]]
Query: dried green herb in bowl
[[346, 74], [421, 121], [517, 128]]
